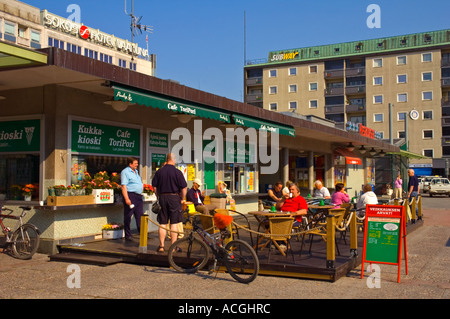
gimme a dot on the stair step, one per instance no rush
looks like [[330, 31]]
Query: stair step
[[86, 258]]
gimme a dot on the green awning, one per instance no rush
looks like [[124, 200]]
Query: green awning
[[262, 125], [12, 56], [150, 100], [409, 155]]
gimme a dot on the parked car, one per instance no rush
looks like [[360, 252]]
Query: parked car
[[426, 180], [439, 186]]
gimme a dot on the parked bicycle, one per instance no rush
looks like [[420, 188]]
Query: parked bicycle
[[191, 253], [24, 239]]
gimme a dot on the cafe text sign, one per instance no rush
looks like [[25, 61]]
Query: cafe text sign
[[105, 139], [384, 233], [20, 136]]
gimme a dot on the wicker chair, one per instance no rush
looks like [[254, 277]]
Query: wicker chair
[[280, 228], [235, 229]]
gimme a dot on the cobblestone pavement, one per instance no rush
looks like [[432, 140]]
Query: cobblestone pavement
[[428, 278]]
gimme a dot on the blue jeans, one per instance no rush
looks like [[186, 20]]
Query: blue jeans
[[416, 195]]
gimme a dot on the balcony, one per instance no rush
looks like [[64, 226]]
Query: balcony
[[252, 98], [353, 108], [355, 72], [445, 141], [334, 91], [357, 89], [333, 74], [333, 109], [445, 82], [445, 121], [445, 101], [254, 81]]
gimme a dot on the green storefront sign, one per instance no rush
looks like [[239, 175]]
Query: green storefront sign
[[160, 140], [20, 136], [383, 238], [105, 139]]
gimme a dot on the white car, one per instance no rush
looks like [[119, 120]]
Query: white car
[[439, 186], [426, 180]]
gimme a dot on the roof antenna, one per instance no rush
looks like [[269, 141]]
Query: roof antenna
[[136, 25]]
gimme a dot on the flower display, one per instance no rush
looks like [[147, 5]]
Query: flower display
[[148, 189], [27, 189], [113, 226], [101, 180]]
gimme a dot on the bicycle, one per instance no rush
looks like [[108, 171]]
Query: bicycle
[[24, 240], [191, 253]]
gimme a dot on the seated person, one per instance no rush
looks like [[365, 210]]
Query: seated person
[[368, 197], [276, 194], [293, 203], [340, 196], [320, 191], [286, 188], [196, 197]]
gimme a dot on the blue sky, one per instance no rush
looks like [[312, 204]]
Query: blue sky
[[200, 43]]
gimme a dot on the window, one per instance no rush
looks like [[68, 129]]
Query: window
[[427, 115], [122, 63], [378, 118], [428, 153], [377, 63], [10, 28], [35, 39], [427, 134], [293, 105], [313, 69], [22, 31], [401, 116], [293, 88], [273, 106], [106, 58], [401, 78], [401, 134], [272, 73], [427, 76], [73, 48], [401, 60], [132, 66], [91, 54], [313, 86], [313, 104], [427, 96], [292, 71], [378, 80], [55, 43], [402, 97], [381, 135], [427, 57], [378, 99], [273, 90]]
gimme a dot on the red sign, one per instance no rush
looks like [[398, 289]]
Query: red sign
[[84, 32], [367, 132]]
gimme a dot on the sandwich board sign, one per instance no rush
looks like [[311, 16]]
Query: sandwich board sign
[[384, 234]]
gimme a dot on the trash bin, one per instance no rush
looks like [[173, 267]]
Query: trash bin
[[219, 200]]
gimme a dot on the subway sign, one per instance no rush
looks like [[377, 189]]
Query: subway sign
[[283, 56]]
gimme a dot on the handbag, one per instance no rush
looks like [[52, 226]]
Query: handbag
[[156, 208]]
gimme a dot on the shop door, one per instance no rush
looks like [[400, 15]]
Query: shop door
[[209, 169]]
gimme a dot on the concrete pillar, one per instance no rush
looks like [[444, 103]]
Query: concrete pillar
[[285, 165], [311, 172]]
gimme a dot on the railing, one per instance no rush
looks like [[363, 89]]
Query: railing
[[334, 109], [355, 89], [445, 82], [330, 74], [355, 108], [334, 91]]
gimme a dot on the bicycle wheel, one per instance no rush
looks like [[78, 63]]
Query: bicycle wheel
[[242, 262], [25, 241], [188, 254]]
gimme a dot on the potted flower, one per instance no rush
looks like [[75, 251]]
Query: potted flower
[[102, 188], [27, 192], [60, 190], [113, 231], [149, 193], [15, 192]]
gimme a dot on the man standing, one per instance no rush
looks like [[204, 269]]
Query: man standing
[[170, 188], [132, 188], [413, 186], [197, 198]]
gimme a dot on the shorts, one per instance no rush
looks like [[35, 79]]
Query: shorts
[[171, 210]]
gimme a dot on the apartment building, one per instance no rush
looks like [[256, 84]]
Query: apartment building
[[30, 27], [355, 82]]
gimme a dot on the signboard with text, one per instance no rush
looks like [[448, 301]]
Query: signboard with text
[[105, 139], [20, 136], [384, 233]]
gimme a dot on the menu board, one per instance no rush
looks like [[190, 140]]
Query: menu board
[[383, 237], [384, 234]]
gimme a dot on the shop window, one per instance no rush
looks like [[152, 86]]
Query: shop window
[[17, 173], [92, 164]]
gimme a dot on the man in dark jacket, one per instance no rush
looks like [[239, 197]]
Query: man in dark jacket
[[197, 197]]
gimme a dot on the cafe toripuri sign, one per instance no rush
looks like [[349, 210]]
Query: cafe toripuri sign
[[105, 139], [20, 136]]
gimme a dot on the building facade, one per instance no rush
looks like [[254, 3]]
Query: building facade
[[356, 82], [31, 27]]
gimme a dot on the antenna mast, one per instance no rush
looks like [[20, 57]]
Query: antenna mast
[[136, 25]]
